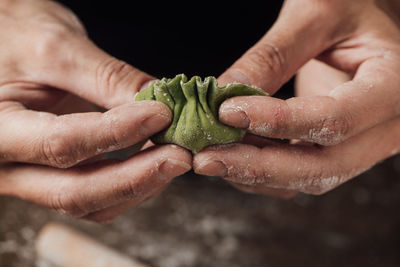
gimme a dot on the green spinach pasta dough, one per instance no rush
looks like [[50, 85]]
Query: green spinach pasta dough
[[195, 104]]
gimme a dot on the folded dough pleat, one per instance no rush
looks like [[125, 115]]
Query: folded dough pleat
[[195, 105]]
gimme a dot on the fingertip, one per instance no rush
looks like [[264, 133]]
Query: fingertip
[[205, 163], [232, 114], [212, 168], [199, 159], [126, 125], [181, 154], [154, 108], [152, 116], [174, 159], [172, 168], [239, 111]]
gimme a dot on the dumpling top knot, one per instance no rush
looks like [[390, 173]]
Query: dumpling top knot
[[195, 105]]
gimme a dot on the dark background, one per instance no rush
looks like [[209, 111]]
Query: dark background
[[201, 221], [168, 39]]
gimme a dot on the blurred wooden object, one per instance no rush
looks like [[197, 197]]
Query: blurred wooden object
[[61, 246]]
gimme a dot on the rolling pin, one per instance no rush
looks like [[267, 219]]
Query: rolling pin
[[61, 246]]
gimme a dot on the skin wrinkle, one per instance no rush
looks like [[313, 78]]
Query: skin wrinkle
[[318, 186], [105, 75], [267, 57], [64, 199], [55, 149], [134, 188], [323, 136], [248, 176]]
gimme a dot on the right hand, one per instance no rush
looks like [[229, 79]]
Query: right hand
[[46, 62], [345, 117]]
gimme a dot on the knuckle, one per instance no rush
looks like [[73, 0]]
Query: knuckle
[[66, 204], [332, 131], [319, 181], [110, 74], [113, 141], [249, 178], [319, 186], [268, 58], [130, 190], [56, 152], [275, 123], [114, 132], [280, 115]]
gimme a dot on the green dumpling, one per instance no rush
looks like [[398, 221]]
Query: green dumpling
[[195, 105]]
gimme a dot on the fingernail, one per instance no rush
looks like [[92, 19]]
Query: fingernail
[[213, 168], [172, 168], [154, 124], [233, 115]]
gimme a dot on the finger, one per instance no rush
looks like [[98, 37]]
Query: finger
[[355, 106], [317, 78], [261, 189], [308, 169], [295, 38], [109, 214], [73, 63], [261, 142], [85, 189], [63, 141]]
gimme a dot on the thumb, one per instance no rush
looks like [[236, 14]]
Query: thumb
[[303, 30], [78, 66]]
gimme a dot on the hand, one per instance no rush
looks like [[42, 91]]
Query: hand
[[50, 73], [345, 116]]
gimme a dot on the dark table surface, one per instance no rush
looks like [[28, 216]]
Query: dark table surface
[[202, 221]]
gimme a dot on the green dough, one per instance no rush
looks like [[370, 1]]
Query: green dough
[[195, 104]]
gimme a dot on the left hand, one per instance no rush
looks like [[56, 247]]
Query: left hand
[[346, 114], [52, 138]]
